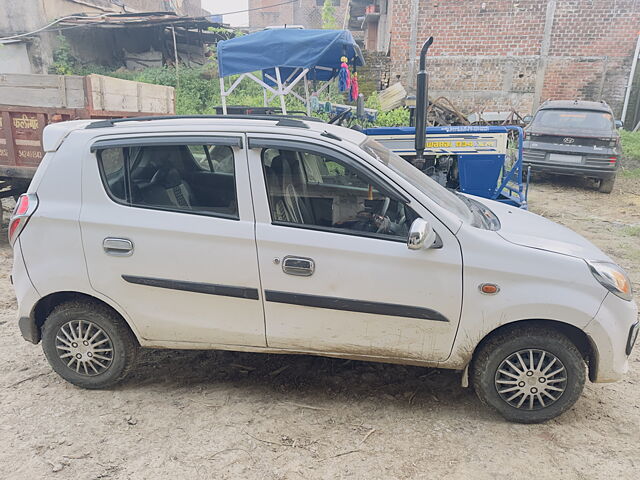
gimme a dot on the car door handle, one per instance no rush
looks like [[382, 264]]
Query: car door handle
[[118, 247], [299, 266]]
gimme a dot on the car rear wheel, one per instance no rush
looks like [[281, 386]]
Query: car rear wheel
[[88, 344], [529, 375], [606, 185]]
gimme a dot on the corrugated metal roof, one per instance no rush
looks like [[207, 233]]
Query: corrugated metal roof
[[109, 20]]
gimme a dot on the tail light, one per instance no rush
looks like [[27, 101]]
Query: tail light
[[25, 206]]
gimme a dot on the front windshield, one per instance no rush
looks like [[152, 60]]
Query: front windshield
[[436, 192]]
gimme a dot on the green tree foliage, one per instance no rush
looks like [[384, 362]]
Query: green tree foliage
[[329, 15]]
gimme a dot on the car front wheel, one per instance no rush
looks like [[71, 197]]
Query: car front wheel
[[529, 375], [88, 344]]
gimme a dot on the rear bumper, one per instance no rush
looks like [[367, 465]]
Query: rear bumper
[[610, 333], [577, 170], [29, 330], [591, 162], [27, 296]]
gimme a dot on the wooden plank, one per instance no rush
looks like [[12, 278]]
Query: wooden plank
[[392, 97], [48, 91], [7, 157], [62, 90], [32, 80], [114, 94]]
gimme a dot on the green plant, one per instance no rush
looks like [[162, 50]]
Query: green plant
[[394, 118], [64, 63], [631, 145], [632, 231], [329, 15]]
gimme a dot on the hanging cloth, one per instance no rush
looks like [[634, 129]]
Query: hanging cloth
[[344, 77], [353, 94]]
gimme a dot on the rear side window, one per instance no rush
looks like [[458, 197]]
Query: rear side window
[[197, 179]]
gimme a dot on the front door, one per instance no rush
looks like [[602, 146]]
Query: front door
[[168, 233], [337, 275]]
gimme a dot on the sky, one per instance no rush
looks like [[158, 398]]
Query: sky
[[223, 6]]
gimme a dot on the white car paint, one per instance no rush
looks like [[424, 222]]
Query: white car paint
[[539, 266]]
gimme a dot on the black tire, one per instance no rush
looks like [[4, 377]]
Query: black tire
[[121, 342], [492, 355], [606, 185]]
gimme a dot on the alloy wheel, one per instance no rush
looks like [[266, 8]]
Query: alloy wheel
[[531, 379], [84, 347]]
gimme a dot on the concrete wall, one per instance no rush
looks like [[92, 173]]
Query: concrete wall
[[307, 13], [19, 16], [14, 58], [502, 54]]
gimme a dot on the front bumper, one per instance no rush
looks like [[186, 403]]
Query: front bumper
[[609, 333]]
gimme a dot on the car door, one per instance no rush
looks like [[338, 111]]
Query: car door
[[337, 275], [168, 234]]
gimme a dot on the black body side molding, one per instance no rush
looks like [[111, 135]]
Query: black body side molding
[[349, 305], [197, 287]]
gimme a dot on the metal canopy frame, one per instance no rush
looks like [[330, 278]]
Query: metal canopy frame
[[281, 88]]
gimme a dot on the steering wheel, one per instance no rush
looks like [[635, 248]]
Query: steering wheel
[[383, 212]]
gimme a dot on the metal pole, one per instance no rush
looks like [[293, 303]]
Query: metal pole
[[630, 82], [306, 94], [223, 96], [175, 51], [345, 22], [280, 94], [422, 100]]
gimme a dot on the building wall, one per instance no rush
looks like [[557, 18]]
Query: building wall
[[307, 13], [28, 15], [503, 54], [14, 58]]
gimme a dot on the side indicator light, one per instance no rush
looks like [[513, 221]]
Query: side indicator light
[[489, 288]]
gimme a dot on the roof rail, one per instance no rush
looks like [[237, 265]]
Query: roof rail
[[290, 119]]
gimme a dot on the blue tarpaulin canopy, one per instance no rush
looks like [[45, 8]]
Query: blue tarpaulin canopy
[[286, 56], [289, 49]]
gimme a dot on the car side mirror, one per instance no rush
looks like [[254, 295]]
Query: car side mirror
[[527, 119], [421, 234], [619, 124]]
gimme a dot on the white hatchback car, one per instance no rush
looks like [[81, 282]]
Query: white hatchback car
[[283, 235]]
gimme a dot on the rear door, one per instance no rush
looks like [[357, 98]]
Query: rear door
[[168, 233]]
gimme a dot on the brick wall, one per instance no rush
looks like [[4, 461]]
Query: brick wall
[[497, 54], [374, 75]]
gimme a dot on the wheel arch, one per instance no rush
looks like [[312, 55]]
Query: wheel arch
[[46, 304], [577, 336]]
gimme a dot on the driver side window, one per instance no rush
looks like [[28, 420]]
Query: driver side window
[[324, 193]]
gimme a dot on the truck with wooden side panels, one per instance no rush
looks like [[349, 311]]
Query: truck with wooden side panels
[[28, 103]]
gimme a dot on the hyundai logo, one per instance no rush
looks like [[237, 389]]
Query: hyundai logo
[[568, 140]]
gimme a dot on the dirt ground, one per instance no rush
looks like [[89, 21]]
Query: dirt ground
[[225, 415]]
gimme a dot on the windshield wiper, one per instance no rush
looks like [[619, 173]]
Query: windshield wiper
[[483, 216]]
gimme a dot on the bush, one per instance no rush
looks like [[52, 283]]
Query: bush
[[631, 152]]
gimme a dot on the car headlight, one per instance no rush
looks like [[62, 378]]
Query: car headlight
[[613, 278]]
